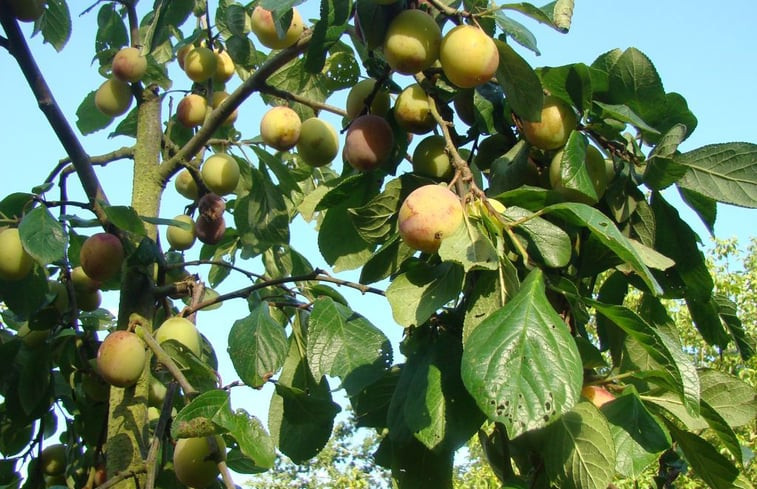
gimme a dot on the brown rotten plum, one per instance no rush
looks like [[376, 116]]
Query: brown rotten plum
[[121, 358], [264, 28], [113, 98], [430, 158], [413, 111], [195, 461], [358, 97], [179, 238], [101, 256], [200, 64], [557, 121], [15, 262], [191, 110], [468, 56], [182, 330], [428, 215], [220, 172], [412, 42], [210, 224], [129, 65], [280, 128], [369, 142], [318, 144]]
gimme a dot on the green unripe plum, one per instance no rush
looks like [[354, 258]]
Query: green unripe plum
[[194, 461], [265, 30], [101, 256], [181, 239], [129, 65], [490, 149], [468, 56], [557, 121], [280, 128], [15, 262], [191, 110], [220, 173], [412, 110], [121, 358], [464, 107], [182, 330], [595, 167], [430, 158], [224, 67], [88, 300], [113, 98], [318, 144], [428, 215], [186, 185], [27, 10], [369, 142], [83, 282], [156, 392], [60, 303], [412, 42], [52, 460], [32, 337], [200, 64], [217, 99], [358, 95]]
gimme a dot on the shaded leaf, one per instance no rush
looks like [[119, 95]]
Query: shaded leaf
[[257, 346], [42, 236], [418, 293], [520, 83]]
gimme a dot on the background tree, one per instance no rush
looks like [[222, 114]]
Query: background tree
[[511, 251]]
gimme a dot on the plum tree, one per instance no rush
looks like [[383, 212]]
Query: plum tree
[[121, 358], [369, 142], [113, 98], [468, 56], [412, 42], [182, 330], [200, 64], [15, 261], [129, 65], [192, 110], [430, 158], [181, 239], [101, 256], [413, 111], [318, 143], [595, 166], [195, 462], [553, 130], [220, 172], [357, 99], [280, 128], [263, 26], [428, 215]]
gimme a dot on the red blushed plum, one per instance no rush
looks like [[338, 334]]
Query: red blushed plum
[[428, 215], [101, 256], [121, 358], [369, 143]]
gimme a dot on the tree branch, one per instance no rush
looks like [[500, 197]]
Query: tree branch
[[166, 360], [277, 92], [101, 160]]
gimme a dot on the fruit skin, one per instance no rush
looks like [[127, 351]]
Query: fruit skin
[[265, 30], [129, 65], [428, 215], [360, 92], [599, 396], [200, 64], [113, 98], [430, 158], [52, 459], [224, 67], [101, 256], [182, 53], [318, 144], [121, 358], [280, 128], [596, 168], [412, 42], [83, 282], [181, 239], [557, 121], [191, 110], [194, 463], [369, 142], [210, 224], [468, 56], [15, 262], [412, 110], [27, 10], [186, 185], [182, 330], [220, 173], [215, 102]]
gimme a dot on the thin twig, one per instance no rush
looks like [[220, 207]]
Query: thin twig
[[126, 152], [121, 476], [278, 92]]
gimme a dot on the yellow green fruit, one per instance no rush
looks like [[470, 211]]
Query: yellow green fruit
[[412, 42], [129, 65], [318, 144], [186, 185], [113, 98], [220, 173], [194, 461], [121, 358], [280, 128], [358, 95], [217, 99], [200, 64], [468, 56], [181, 239], [263, 26], [191, 110], [101, 256], [430, 158], [15, 262], [224, 67], [182, 330], [557, 121], [413, 111]]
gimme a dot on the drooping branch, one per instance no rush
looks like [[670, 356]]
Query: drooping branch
[[47, 104]]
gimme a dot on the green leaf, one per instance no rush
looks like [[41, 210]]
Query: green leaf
[[469, 247], [111, 30], [569, 82], [375, 220], [575, 182], [294, 78], [89, 118], [254, 442], [623, 113], [418, 293], [386, 261], [198, 372], [517, 31], [257, 346], [415, 466], [491, 291], [196, 418], [607, 233], [705, 207], [520, 83], [727, 310], [55, 24], [721, 429], [342, 343], [373, 20], [542, 238], [731, 397], [725, 172], [42, 236], [235, 18], [521, 363], [544, 15], [24, 297], [126, 218], [34, 379], [637, 435], [580, 453], [661, 171], [634, 81], [261, 216]]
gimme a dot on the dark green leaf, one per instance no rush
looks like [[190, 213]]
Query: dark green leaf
[[469, 247], [542, 239], [722, 430], [126, 218], [196, 418], [376, 219], [257, 347], [235, 19], [42, 236], [421, 291], [89, 118], [727, 310], [520, 83], [386, 260], [111, 30], [634, 82], [705, 207], [415, 466], [517, 31], [254, 442], [569, 82], [55, 24], [261, 216], [294, 78], [623, 113], [575, 183], [491, 291], [27, 295], [730, 396]]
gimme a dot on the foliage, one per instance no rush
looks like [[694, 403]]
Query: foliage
[[544, 289]]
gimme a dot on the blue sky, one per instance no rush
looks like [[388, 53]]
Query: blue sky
[[702, 50]]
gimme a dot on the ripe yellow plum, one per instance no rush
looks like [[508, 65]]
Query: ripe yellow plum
[[191, 110], [468, 56], [113, 98], [182, 330], [200, 64], [181, 53], [195, 463], [557, 121], [369, 142], [430, 158], [280, 128], [220, 173], [121, 358], [217, 99], [224, 67], [358, 95], [129, 65], [101, 256], [263, 26], [428, 215], [15, 261], [318, 144], [413, 111], [412, 42], [186, 185], [181, 239]]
